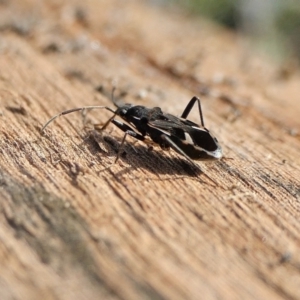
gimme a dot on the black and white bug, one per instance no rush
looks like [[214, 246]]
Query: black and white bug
[[153, 126]]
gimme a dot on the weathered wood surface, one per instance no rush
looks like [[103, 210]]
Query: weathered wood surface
[[152, 226]]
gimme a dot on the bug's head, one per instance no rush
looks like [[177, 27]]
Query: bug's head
[[122, 110]]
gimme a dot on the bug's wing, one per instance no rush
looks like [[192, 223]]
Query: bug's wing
[[168, 127], [185, 136], [163, 125]]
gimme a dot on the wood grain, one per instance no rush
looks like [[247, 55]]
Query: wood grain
[[153, 226]]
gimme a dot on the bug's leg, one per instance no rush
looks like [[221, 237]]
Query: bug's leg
[[101, 127], [128, 130], [176, 148], [189, 108]]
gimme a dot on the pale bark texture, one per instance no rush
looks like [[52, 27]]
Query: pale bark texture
[[154, 225]]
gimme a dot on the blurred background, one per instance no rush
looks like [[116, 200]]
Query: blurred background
[[273, 25]]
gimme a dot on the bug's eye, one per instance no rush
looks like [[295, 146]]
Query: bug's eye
[[123, 112]]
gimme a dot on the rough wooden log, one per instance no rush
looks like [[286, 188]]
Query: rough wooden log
[[153, 225]]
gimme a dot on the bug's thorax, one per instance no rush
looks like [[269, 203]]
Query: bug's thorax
[[138, 115]]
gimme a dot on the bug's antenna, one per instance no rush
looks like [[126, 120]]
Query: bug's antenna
[[73, 110], [112, 96]]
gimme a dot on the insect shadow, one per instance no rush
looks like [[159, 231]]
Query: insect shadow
[[140, 157]]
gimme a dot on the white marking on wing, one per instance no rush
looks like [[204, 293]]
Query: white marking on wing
[[188, 138], [198, 128]]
